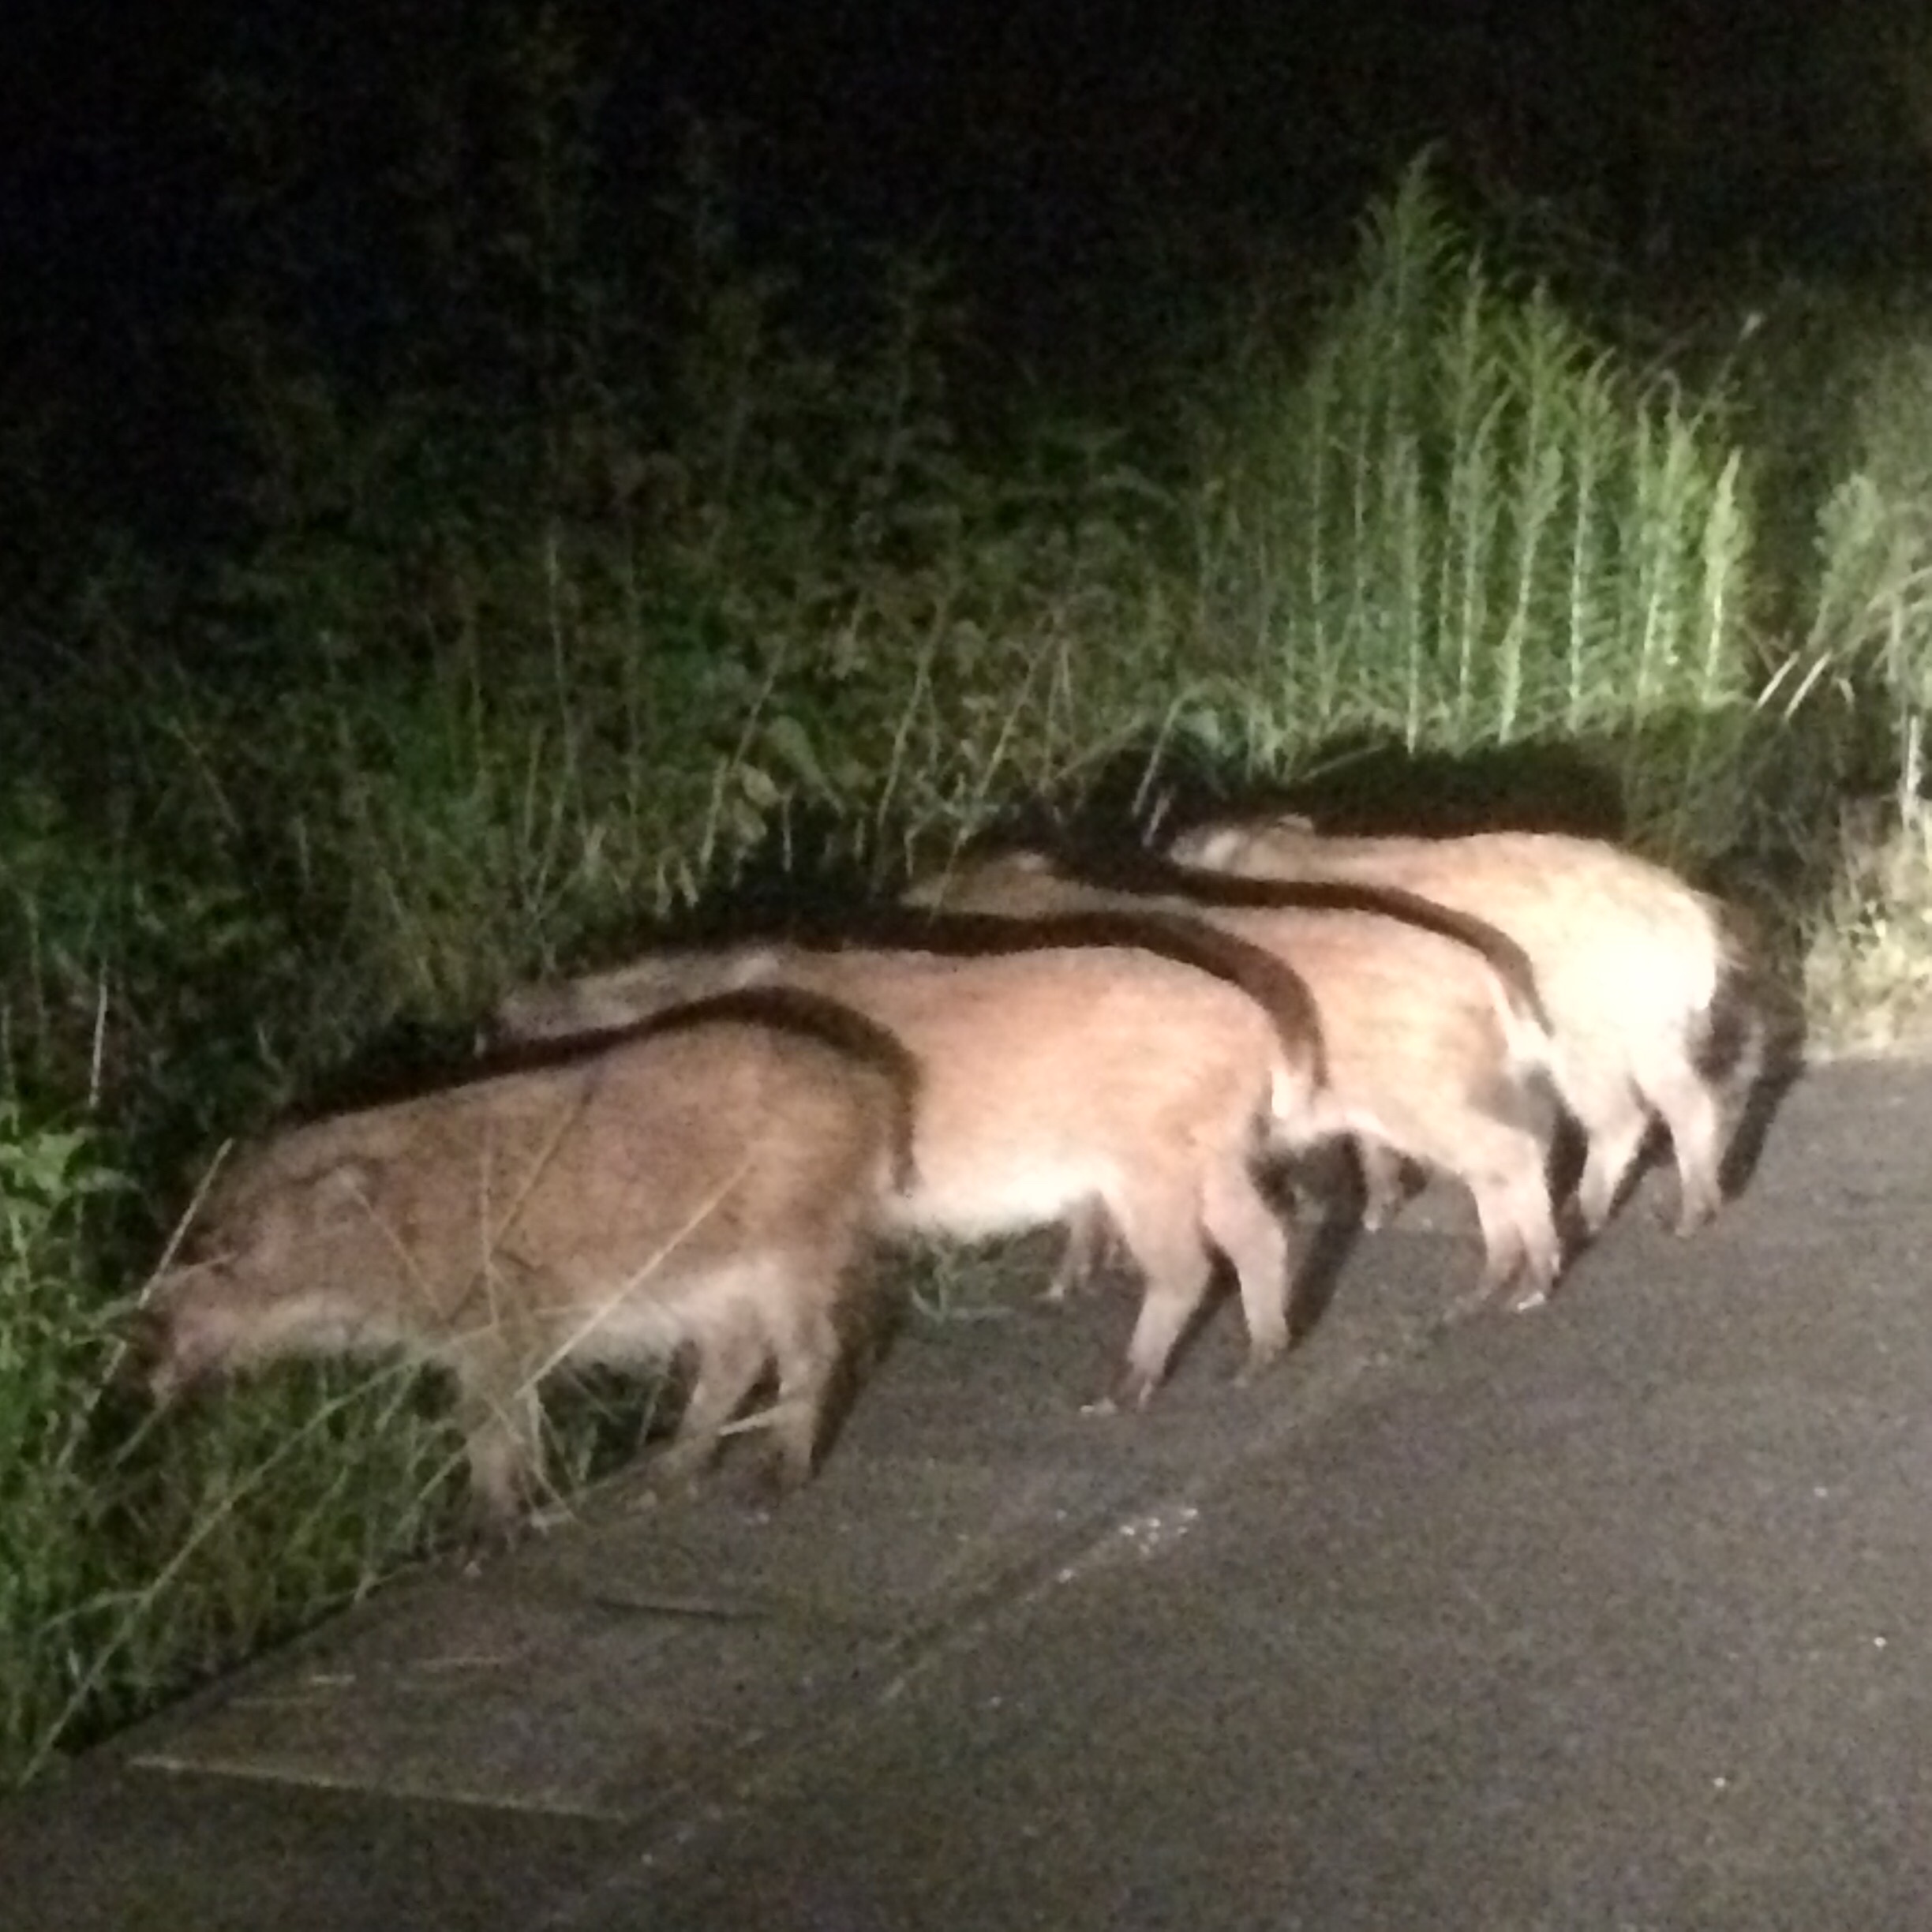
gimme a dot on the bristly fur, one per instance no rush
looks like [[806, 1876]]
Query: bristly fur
[[1420, 1037], [1120, 1059], [1151, 875], [708, 1185], [1651, 983]]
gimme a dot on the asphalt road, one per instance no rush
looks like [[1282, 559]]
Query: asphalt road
[[1612, 1615]]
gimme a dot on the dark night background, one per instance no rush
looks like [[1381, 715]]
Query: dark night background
[[1065, 158]]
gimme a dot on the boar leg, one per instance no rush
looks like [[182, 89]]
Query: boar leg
[[1160, 1228], [502, 1420], [1520, 1240], [1088, 1235], [808, 1355], [732, 1356], [1237, 1219], [1691, 1110], [1385, 1175], [1614, 1121]]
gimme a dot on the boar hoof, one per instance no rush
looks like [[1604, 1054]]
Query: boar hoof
[[1574, 1229], [1072, 1281], [1262, 1356], [666, 1485], [1380, 1209], [1492, 1292], [1698, 1212], [766, 1482], [488, 1533]]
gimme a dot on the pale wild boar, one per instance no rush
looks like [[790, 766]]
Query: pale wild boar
[[1087, 1062], [1647, 981], [705, 1185], [1433, 1049]]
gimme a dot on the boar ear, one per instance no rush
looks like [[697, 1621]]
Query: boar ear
[[350, 1184], [751, 967], [1210, 847]]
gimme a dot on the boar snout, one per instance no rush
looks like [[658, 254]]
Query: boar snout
[[142, 1335], [153, 1365], [161, 1359]]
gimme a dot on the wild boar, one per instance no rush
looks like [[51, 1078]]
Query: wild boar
[[1650, 984], [1433, 1050], [1110, 1060], [708, 1184]]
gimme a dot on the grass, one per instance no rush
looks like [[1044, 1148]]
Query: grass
[[1868, 970], [717, 616], [1466, 525], [1861, 674]]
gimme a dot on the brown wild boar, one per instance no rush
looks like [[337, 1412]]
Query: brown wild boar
[[1085, 1061], [708, 1184], [1646, 980], [1432, 1053]]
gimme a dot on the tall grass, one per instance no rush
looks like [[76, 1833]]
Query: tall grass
[[48, 1366], [1864, 673], [1459, 522]]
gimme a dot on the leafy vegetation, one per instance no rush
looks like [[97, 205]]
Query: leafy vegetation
[[546, 615]]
